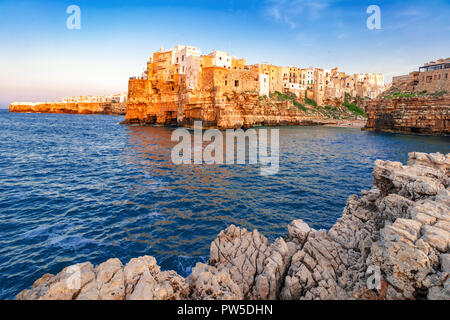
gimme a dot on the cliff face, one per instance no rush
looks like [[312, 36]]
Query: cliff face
[[236, 110], [73, 108], [400, 227], [215, 108], [428, 115]]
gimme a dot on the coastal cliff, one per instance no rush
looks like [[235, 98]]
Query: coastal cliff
[[163, 104], [417, 114], [400, 227], [67, 107]]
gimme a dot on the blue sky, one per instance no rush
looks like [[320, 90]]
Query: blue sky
[[42, 60]]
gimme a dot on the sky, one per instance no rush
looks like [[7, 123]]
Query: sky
[[43, 60]]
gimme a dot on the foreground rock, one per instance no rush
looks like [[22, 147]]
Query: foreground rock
[[392, 243]]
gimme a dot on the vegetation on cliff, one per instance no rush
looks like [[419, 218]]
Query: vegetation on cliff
[[348, 110], [395, 93], [289, 96], [353, 107]]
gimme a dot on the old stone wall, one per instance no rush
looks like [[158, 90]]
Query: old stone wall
[[434, 81]]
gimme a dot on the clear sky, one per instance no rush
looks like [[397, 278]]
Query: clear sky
[[42, 60]]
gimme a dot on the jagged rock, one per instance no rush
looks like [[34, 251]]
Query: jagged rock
[[440, 293], [299, 230], [145, 281], [394, 206], [210, 283], [109, 283], [400, 228], [140, 279], [445, 262], [433, 160], [66, 285], [254, 265]]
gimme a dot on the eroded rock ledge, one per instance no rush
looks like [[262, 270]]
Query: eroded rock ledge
[[401, 225]]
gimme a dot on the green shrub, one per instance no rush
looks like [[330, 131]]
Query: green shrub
[[282, 97], [355, 109], [309, 101], [300, 106]]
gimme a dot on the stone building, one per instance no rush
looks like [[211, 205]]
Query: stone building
[[432, 77], [179, 81]]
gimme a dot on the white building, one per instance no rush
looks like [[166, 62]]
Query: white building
[[263, 84], [308, 78], [221, 59], [180, 56]]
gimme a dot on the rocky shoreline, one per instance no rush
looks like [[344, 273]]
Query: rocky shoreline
[[401, 228]]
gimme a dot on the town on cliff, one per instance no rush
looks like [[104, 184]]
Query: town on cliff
[[181, 85]]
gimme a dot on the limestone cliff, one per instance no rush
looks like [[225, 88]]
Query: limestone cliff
[[66, 107], [401, 226], [152, 102], [421, 114]]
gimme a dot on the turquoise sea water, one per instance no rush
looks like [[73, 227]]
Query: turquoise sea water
[[77, 188]]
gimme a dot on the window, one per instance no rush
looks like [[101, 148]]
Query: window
[[226, 82], [182, 57], [236, 83], [446, 76]]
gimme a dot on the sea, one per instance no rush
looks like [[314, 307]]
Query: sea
[[77, 188]]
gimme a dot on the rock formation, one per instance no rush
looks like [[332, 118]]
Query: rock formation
[[400, 228], [66, 107], [421, 114]]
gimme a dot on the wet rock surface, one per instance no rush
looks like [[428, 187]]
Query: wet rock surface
[[392, 243]]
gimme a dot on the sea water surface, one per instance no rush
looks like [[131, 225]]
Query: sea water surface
[[76, 188]]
